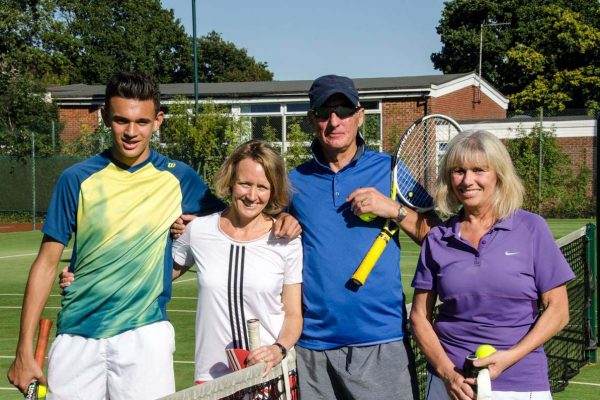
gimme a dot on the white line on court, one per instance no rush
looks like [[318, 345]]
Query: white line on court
[[182, 281], [58, 295], [584, 383], [30, 254], [58, 308]]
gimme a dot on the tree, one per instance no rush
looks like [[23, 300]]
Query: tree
[[564, 192], [547, 55], [102, 37], [222, 61], [203, 141], [25, 27], [85, 41], [24, 112]]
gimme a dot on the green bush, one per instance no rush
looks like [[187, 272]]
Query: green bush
[[564, 189]]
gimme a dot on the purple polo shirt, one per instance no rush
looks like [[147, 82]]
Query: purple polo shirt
[[490, 294]]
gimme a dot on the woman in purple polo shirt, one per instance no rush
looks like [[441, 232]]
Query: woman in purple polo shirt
[[491, 264]]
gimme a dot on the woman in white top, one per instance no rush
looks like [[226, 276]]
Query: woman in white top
[[244, 271]]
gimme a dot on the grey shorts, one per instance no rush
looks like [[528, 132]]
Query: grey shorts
[[383, 371]]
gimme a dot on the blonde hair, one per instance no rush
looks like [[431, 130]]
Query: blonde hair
[[274, 166], [480, 148]]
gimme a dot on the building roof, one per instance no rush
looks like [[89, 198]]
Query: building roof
[[426, 85], [252, 89]]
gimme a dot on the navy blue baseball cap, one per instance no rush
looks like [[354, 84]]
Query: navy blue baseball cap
[[326, 86]]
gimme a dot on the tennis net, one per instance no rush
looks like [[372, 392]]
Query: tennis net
[[247, 384], [569, 349]]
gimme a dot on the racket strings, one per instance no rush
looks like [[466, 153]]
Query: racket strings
[[418, 158]]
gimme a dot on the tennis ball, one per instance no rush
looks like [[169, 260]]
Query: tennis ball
[[485, 350], [410, 194], [42, 392], [367, 217]]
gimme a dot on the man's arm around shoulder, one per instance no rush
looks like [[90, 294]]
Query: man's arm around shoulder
[[41, 278]]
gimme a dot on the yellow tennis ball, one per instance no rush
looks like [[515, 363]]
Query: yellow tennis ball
[[367, 217], [410, 194], [485, 350], [42, 391]]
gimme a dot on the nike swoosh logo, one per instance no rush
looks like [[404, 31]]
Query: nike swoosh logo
[[510, 253]]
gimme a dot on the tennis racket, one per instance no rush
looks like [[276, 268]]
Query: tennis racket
[[40, 354], [414, 172]]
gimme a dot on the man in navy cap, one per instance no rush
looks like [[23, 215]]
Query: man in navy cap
[[353, 342]]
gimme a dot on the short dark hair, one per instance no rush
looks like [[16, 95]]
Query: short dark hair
[[132, 85]]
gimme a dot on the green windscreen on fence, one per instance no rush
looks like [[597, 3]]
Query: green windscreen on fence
[[18, 184], [569, 349]]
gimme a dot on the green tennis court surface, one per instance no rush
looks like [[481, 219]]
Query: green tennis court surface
[[18, 250]]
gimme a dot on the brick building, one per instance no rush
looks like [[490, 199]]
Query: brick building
[[391, 104]]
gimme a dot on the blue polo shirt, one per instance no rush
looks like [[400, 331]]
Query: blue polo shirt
[[490, 294], [335, 242]]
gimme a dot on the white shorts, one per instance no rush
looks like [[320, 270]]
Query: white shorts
[[436, 390], [136, 364]]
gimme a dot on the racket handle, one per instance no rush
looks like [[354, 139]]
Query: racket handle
[[364, 269], [253, 333], [40, 354], [42, 342]]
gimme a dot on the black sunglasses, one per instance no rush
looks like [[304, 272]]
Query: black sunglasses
[[324, 112]]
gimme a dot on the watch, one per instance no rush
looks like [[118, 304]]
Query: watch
[[402, 213], [281, 348]]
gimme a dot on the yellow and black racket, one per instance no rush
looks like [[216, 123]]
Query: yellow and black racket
[[414, 172]]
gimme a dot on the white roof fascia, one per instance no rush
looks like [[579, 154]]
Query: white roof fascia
[[468, 81], [561, 129]]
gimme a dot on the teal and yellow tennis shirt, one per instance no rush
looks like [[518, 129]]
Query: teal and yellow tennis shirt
[[120, 217]]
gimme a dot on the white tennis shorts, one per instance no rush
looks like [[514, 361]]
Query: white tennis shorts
[[137, 364], [437, 391]]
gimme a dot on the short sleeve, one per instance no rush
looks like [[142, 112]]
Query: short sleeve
[[293, 262], [427, 268], [550, 266], [182, 252], [61, 219], [197, 197]]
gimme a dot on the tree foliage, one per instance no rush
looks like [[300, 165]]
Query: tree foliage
[[222, 61], [564, 191], [24, 113], [86, 41], [26, 27], [102, 37], [547, 55], [204, 141]]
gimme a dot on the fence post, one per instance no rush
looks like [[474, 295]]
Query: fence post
[[33, 179], [595, 283], [540, 161]]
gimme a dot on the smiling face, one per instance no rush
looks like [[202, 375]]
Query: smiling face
[[132, 123], [251, 190], [474, 185]]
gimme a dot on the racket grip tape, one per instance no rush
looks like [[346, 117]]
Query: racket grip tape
[[40, 354], [364, 269], [253, 326]]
